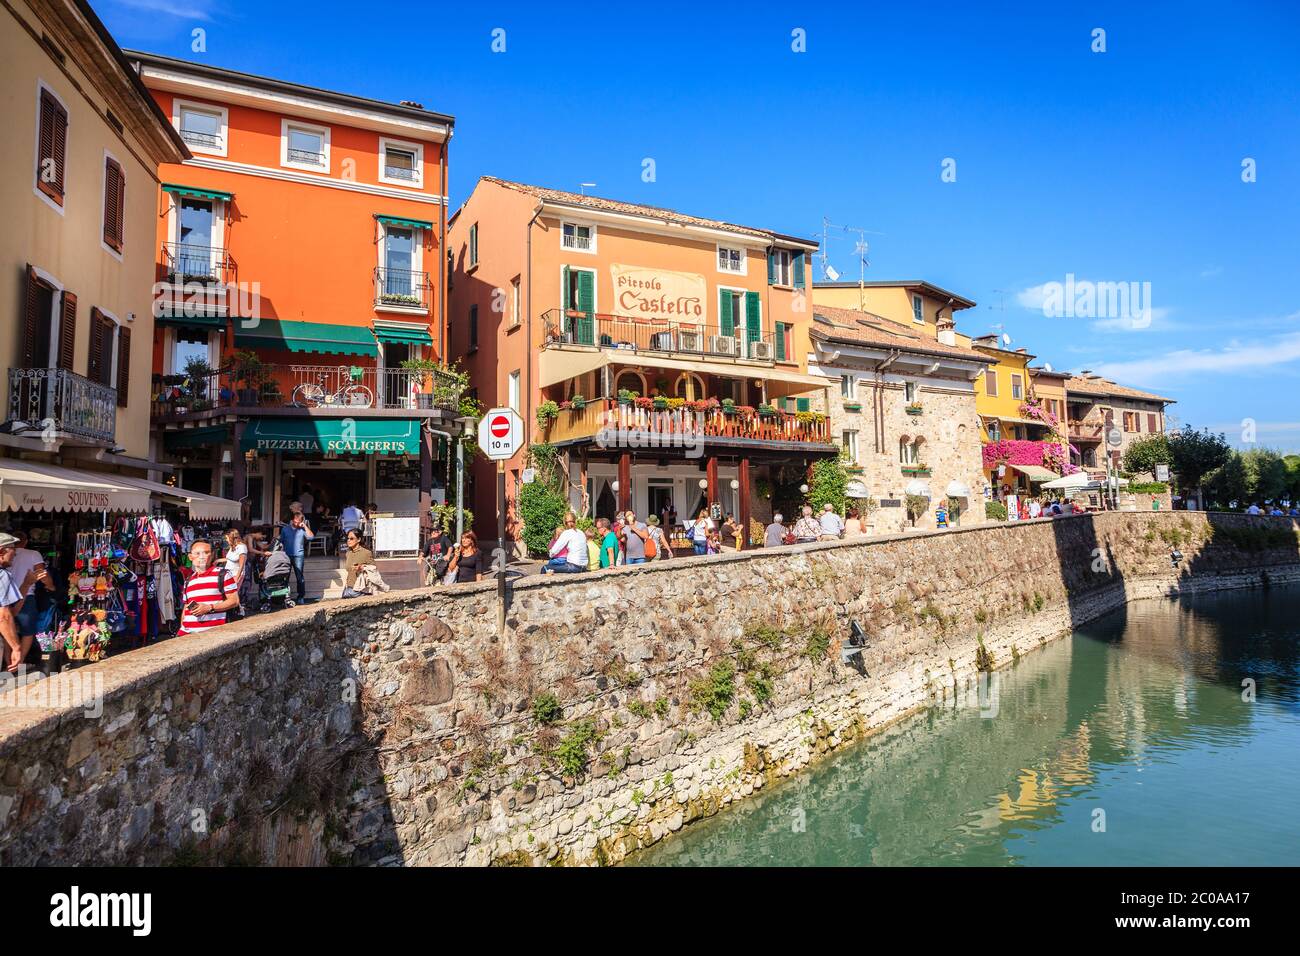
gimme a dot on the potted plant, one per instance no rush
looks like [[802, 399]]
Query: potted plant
[[660, 402], [547, 412], [578, 403], [198, 376], [914, 408], [626, 396], [248, 376], [916, 506], [767, 411], [728, 406], [852, 406]]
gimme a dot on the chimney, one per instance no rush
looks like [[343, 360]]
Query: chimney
[[1021, 351], [412, 104], [946, 330]]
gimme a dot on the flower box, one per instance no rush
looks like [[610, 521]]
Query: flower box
[[921, 471], [914, 409], [853, 406]]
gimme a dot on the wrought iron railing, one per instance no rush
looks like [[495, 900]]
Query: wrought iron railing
[[308, 386], [306, 157], [192, 261], [706, 418], [401, 287], [572, 327], [206, 140], [57, 400], [399, 172]]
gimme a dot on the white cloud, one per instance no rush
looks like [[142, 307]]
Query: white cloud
[[1234, 358], [185, 9], [1156, 316]]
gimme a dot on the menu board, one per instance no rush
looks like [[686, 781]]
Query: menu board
[[396, 473]]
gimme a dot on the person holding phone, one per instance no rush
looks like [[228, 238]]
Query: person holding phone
[[209, 593]]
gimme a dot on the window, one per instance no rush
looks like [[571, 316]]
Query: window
[[846, 386], [689, 386], [630, 382], [203, 128], [1132, 423], [995, 430], [51, 147], [190, 346], [1152, 424], [400, 163], [473, 245], [991, 383], [906, 451], [780, 267], [515, 310], [192, 255], [918, 309], [784, 343], [578, 238], [851, 445], [1017, 386], [909, 392], [513, 395], [403, 281], [731, 260], [473, 327], [103, 348], [114, 203], [303, 146]]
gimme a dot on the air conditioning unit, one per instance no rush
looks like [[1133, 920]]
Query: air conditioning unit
[[724, 345], [761, 350], [690, 341]]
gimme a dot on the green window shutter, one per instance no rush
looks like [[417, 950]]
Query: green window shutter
[[798, 271], [771, 267], [564, 289], [801, 405], [780, 341], [587, 292], [726, 314], [753, 317]]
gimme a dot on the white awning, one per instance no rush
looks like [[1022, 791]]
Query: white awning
[[201, 507], [856, 489], [917, 487], [30, 486], [957, 489], [1072, 482], [1035, 473]]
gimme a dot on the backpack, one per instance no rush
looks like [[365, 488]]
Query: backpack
[[651, 549], [145, 546]]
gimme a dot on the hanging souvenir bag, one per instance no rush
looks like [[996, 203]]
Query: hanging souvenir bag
[[145, 547], [116, 616], [123, 534]]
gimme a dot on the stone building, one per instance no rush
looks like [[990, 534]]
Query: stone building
[[1098, 406], [904, 410]]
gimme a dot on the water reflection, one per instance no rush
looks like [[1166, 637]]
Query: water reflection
[[1131, 744]]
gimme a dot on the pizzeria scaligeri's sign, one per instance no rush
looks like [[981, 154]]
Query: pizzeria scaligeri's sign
[[340, 445], [658, 293]]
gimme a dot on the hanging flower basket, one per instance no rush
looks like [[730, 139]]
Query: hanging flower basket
[[853, 406], [914, 409]]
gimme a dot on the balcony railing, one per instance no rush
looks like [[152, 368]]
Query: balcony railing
[[399, 172], [401, 288], [307, 386], [702, 420], [306, 157], [206, 140], [194, 262], [57, 400], [655, 335], [1086, 431]]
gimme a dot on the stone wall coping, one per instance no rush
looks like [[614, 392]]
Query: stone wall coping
[[137, 669]]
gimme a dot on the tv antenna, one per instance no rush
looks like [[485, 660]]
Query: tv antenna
[[583, 187], [1002, 304], [861, 249]]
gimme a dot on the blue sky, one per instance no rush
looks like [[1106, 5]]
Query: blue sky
[[1115, 166]]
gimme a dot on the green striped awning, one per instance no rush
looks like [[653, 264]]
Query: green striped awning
[[179, 318], [406, 334], [197, 193], [196, 437], [400, 221], [318, 337], [315, 436]]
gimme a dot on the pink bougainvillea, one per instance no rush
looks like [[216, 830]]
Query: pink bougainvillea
[[1033, 408], [1015, 451]]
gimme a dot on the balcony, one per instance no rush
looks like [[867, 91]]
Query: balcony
[[704, 420], [202, 140], [344, 387], [1087, 431], [401, 289], [184, 262], [306, 157], [55, 401], [399, 172], [655, 335]]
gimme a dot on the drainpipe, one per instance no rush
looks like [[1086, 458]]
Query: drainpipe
[[528, 326], [442, 257]]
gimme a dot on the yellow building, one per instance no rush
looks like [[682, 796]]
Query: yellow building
[[921, 306], [83, 141]]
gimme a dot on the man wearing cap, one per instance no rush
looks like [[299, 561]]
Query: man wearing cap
[[11, 602]]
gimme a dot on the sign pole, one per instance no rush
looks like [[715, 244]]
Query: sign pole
[[501, 548]]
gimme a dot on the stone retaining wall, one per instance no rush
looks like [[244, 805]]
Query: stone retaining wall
[[617, 708]]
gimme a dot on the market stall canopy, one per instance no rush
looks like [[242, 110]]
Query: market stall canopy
[[1035, 473], [201, 507], [29, 486], [319, 337], [1072, 482], [317, 436]]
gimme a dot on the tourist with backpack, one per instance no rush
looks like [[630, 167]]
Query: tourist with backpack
[[210, 592]]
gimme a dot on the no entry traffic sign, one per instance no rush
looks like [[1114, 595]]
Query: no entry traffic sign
[[500, 433]]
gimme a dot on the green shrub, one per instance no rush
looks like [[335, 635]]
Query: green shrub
[[995, 510], [1148, 488], [547, 709], [572, 750], [715, 691], [543, 511]]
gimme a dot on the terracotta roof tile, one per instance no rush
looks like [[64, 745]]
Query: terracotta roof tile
[[1096, 385], [636, 209], [866, 328]]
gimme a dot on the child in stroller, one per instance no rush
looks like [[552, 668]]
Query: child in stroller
[[275, 580]]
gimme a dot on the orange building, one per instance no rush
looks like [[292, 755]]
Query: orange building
[[667, 353], [299, 299]]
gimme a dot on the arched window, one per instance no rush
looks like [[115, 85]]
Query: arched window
[[689, 386], [631, 381], [906, 451]]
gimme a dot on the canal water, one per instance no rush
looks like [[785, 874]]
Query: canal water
[[1166, 733]]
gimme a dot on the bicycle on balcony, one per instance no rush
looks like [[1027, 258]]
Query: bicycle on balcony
[[350, 394]]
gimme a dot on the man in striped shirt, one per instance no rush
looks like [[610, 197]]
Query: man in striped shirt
[[209, 593]]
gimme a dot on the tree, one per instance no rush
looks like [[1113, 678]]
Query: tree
[[1292, 476], [1227, 483], [1144, 454], [1266, 474], [1195, 454], [543, 511], [828, 484]]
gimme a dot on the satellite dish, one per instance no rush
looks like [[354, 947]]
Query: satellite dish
[[1047, 366], [832, 274], [1006, 339]]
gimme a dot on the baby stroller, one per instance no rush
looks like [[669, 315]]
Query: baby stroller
[[275, 581]]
